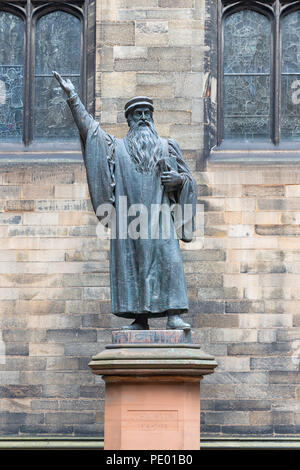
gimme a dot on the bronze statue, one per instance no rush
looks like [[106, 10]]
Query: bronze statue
[[145, 171]]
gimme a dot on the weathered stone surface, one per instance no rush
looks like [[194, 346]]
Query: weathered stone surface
[[9, 192], [151, 33], [243, 405], [117, 33], [176, 3], [263, 190], [227, 418], [278, 230], [70, 418]]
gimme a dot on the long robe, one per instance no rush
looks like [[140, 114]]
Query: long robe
[[146, 275]]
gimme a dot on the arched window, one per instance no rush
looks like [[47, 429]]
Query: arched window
[[57, 47], [258, 76], [11, 77], [36, 38], [290, 77], [247, 45]]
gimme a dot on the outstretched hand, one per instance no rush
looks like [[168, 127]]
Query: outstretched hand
[[66, 85]]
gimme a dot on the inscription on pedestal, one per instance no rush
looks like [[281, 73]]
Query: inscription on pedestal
[[151, 337], [152, 420]]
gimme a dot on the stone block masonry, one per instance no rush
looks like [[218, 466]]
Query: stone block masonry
[[53, 273], [243, 285]]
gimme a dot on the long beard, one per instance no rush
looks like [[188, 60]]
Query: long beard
[[144, 147]]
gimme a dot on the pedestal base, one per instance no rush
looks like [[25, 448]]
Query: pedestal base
[[158, 413], [152, 390]]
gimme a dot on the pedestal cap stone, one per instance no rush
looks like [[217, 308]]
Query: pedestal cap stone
[[152, 352]]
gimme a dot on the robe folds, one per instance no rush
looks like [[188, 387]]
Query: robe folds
[[146, 274]]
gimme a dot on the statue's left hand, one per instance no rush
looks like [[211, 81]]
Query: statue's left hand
[[171, 180]]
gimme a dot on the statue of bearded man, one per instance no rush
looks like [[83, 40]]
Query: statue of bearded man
[[146, 272]]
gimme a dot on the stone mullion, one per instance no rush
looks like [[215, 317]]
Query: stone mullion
[[276, 69]]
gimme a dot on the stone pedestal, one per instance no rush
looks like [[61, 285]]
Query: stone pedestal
[[152, 390]]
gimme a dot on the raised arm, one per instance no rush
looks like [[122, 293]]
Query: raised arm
[[81, 117]]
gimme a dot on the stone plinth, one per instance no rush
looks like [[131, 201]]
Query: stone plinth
[[151, 337], [152, 390]]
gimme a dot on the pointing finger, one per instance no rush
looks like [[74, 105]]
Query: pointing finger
[[56, 74]]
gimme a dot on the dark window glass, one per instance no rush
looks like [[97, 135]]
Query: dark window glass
[[11, 77], [290, 97], [57, 47], [247, 76]]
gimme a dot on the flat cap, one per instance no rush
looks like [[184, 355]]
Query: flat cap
[[138, 101]]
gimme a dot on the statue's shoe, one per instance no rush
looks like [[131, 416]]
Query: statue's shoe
[[176, 323], [136, 325]]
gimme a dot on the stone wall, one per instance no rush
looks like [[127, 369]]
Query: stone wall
[[53, 272], [54, 283], [249, 316]]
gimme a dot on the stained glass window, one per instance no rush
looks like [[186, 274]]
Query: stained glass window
[[57, 47], [36, 38], [290, 84], [247, 43], [11, 76]]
